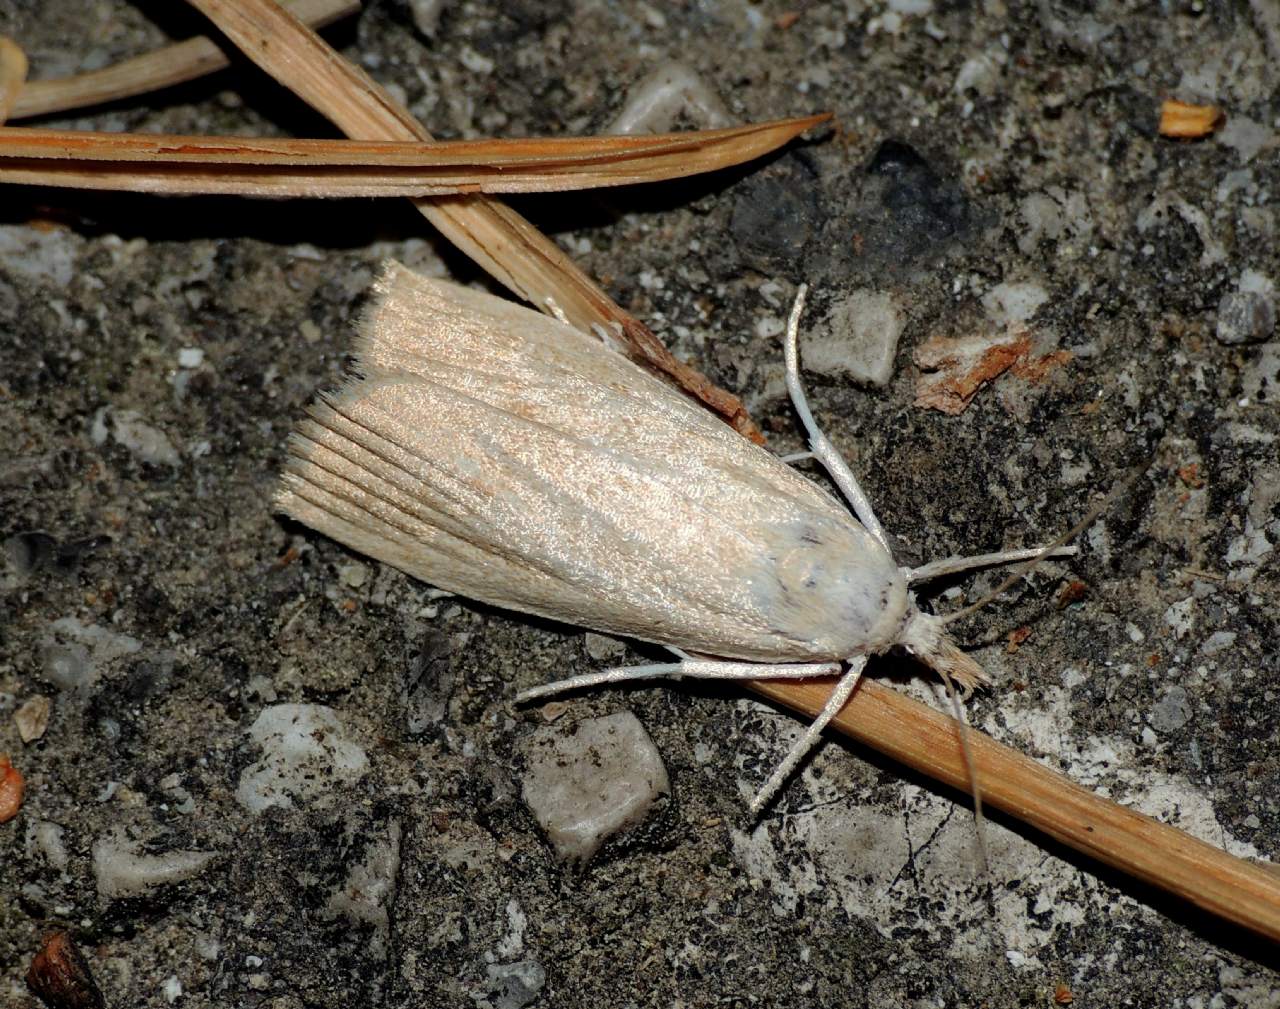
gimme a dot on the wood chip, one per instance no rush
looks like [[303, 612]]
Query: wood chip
[[1180, 119], [958, 368]]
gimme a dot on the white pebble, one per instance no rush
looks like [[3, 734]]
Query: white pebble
[[305, 753], [147, 442], [50, 839], [121, 871], [859, 341], [586, 782], [1014, 301]]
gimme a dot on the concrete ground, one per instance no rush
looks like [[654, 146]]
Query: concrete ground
[[996, 176]]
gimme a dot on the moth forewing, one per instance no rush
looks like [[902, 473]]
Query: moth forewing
[[507, 457]]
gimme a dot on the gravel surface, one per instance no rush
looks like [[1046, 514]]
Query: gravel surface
[[996, 196]]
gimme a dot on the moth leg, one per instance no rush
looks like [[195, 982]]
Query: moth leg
[[823, 450], [705, 669], [795, 457], [839, 696], [954, 565]]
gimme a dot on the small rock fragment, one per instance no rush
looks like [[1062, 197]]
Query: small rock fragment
[[1014, 301], [59, 976], [122, 871], [190, 357], [12, 787], [1245, 317], [67, 666], [305, 753], [370, 887], [32, 718], [47, 256], [127, 427], [655, 103], [586, 782], [76, 654], [1181, 617], [49, 838], [1218, 641], [980, 73], [1058, 215], [859, 341], [354, 574], [909, 212], [1157, 217], [426, 15], [1172, 711], [515, 985], [775, 215], [1247, 137]]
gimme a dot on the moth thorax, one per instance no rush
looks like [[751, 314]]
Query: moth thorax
[[923, 635]]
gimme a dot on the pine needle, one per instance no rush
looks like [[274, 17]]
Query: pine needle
[[184, 165]]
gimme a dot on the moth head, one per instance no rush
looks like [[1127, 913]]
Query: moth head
[[924, 636]]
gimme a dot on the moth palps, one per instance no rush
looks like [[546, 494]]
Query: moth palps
[[503, 455]]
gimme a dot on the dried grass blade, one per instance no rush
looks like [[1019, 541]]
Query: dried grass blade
[[174, 64], [496, 237], [336, 168]]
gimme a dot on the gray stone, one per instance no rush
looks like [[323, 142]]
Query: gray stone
[[588, 781], [859, 340], [1245, 317], [1172, 711], [306, 752]]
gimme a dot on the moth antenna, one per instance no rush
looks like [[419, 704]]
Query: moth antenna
[[1022, 570], [820, 446]]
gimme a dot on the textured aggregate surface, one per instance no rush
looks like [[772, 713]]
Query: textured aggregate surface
[[995, 162]]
